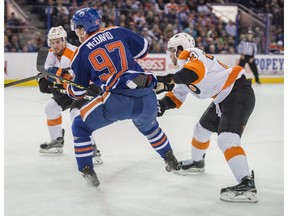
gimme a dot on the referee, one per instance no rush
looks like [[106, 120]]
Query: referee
[[247, 49]]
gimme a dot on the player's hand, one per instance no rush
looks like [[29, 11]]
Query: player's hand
[[45, 85], [165, 79], [61, 72], [162, 87], [242, 57], [160, 108], [251, 60]]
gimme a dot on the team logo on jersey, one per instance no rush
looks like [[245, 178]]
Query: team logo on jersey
[[81, 14], [194, 88]]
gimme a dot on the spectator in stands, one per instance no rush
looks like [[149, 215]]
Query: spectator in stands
[[7, 45], [212, 49], [159, 7], [73, 7], [280, 47], [202, 8], [190, 30], [231, 28], [193, 17], [13, 22], [15, 43], [25, 36], [277, 48]]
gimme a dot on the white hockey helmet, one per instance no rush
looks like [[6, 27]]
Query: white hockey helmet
[[180, 41], [55, 33]]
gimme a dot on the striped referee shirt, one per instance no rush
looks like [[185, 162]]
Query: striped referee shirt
[[247, 48]]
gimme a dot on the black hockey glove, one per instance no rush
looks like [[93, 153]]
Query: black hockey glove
[[162, 87], [165, 79], [164, 104], [160, 108], [45, 85], [163, 83]]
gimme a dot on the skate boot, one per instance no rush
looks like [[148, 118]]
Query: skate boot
[[171, 162], [245, 191], [90, 177], [193, 166], [96, 157], [53, 146]]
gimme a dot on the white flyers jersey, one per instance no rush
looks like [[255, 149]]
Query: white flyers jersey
[[215, 80], [62, 61]]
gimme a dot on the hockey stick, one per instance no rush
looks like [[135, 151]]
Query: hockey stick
[[24, 80], [41, 58]]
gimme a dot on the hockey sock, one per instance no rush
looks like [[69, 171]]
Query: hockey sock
[[159, 141], [82, 143]]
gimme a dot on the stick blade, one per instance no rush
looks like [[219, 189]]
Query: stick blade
[[41, 59]]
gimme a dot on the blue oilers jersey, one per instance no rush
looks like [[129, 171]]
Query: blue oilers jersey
[[107, 59]]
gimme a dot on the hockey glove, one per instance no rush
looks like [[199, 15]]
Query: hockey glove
[[160, 108], [45, 85], [162, 87], [164, 104], [165, 79], [60, 72]]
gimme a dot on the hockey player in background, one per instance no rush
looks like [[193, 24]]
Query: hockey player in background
[[107, 57], [233, 102], [60, 55]]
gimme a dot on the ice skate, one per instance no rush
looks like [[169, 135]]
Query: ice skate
[[171, 162], [193, 166], [245, 191], [90, 177], [96, 157], [53, 146]]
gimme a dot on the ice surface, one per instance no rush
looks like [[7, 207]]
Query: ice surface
[[133, 178]]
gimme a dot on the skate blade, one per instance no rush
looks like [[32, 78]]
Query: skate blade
[[179, 172], [93, 184], [51, 151], [97, 161], [245, 197], [194, 170]]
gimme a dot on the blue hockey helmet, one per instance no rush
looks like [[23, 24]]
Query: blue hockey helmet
[[88, 18]]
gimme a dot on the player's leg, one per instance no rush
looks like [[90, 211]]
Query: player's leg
[[53, 110], [75, 111], [93, 115], [84, 151], [145, 120], [201, 138], [236, 110]]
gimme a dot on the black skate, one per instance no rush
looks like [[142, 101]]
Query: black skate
[[245, 191], [90, 177], [53, 146], [96, 157], [193, 166], [171, 162]]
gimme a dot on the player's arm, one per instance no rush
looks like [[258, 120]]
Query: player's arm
[[78, 68], [137, 44], [172, 99], [184, 76]]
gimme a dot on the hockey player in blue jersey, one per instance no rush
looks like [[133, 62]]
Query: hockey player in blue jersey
[[106, 57]]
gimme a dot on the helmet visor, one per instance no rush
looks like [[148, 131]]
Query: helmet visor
[[73, 25]]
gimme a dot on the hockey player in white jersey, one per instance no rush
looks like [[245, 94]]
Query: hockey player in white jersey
[[60, 55], [233, 102]]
